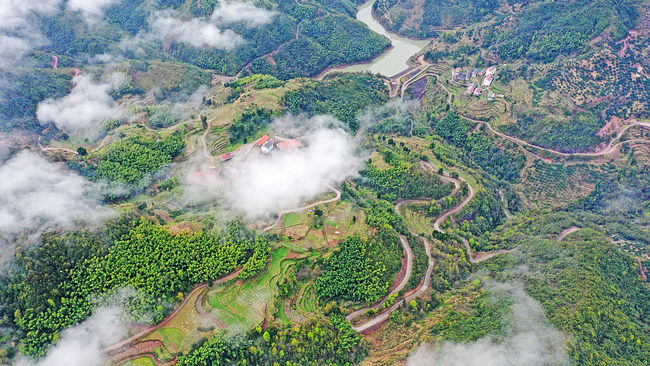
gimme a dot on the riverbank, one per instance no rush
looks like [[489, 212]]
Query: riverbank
[[393, 60]]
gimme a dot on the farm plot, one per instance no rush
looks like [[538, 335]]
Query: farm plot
[[183, 329], [142, 361], [241, 307]]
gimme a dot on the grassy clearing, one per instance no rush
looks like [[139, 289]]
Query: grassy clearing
[[378, 160], [422, 225], [295, 219]]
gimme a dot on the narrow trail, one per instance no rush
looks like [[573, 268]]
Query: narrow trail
[[206, 151], [505, 205], [567, 231]]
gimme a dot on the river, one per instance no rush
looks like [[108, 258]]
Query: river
[[395, 59]]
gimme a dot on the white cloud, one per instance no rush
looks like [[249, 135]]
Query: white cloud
[[265, 184], [14, 48], [91, 10], [17, 13], [238, 11], [85, 109], [532, 341], [83, 345], [36, 195], [18, 34], [195, 32], [106, 58]]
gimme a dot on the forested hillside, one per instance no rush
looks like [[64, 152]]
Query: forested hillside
[[303, 39], [291, 21], [538, 30], [424, 18]]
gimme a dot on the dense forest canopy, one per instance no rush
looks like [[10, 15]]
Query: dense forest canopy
[[59, 280]]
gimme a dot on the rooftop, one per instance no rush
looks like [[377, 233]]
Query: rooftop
[[289, 144], [264, 139]]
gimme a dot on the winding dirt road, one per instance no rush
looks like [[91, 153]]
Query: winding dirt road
[[474, 258], [407, 276], [611, 147], [442, 218], [426, 282], [567, 231]]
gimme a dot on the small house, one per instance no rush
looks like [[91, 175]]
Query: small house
[[225, 157], [470, 89], [488, 80], [267, 147], [463, 76], [291, 144], [263, 140]]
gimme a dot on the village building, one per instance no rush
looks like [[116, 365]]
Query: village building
[[477, 92], [491, 71], [470, 89], [488, 80], [463, 76], [287, 145], [267, 147], [262, 140], [225, 157], [266, 144]]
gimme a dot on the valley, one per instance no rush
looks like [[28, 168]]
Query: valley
[[310, 182]]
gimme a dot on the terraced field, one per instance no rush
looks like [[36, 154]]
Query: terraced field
[[243, 307]]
